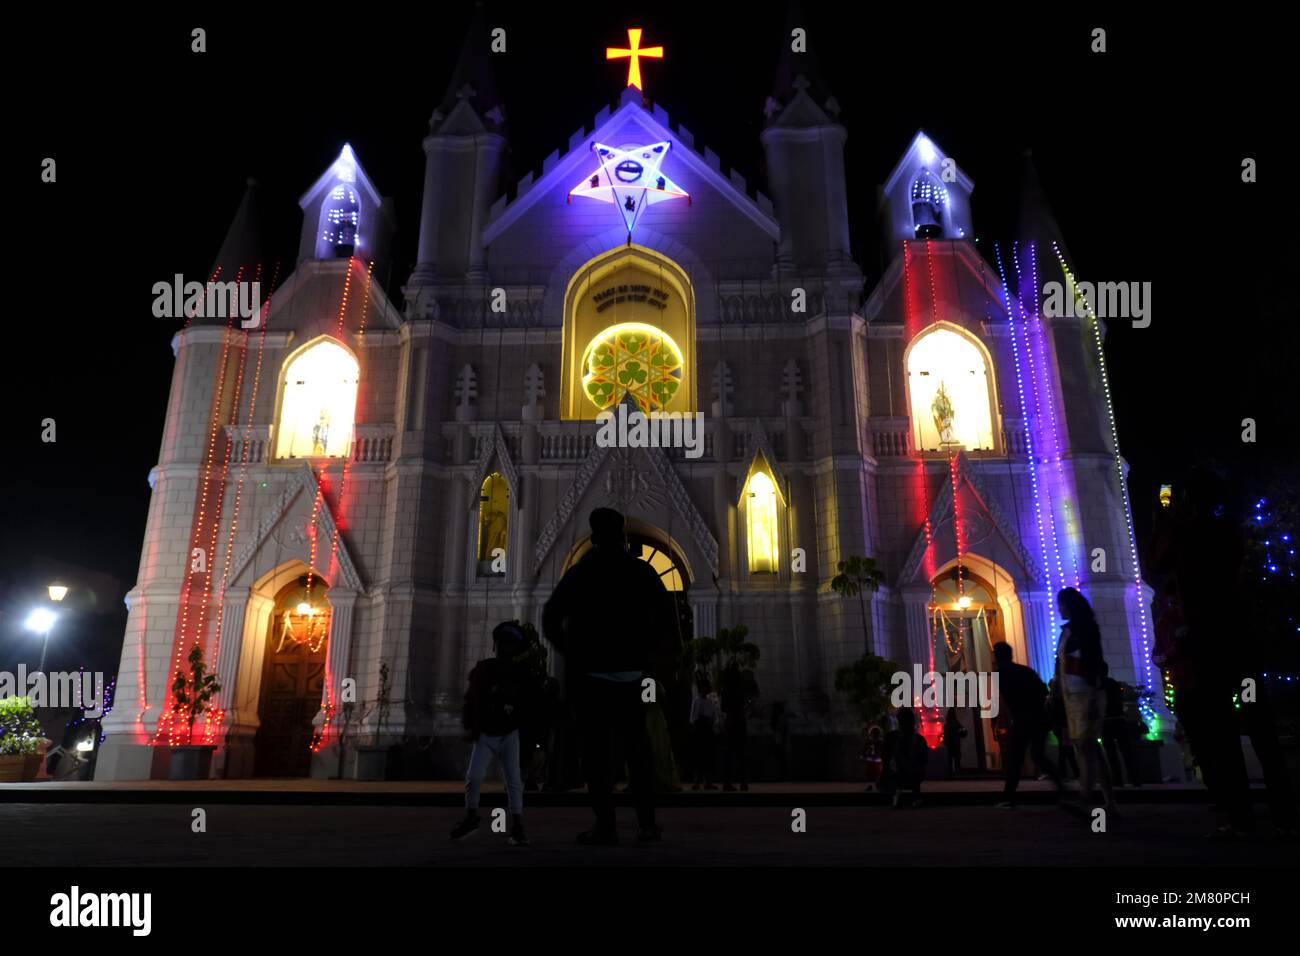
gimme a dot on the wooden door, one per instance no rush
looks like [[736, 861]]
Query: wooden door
[[293, 677]]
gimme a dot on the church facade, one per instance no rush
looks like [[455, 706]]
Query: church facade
[[351, 492]]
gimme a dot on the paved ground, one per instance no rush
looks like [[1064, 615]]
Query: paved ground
[[35, 834]]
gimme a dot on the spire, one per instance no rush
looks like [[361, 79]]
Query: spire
[[798, 72], [245, 242], [473, 80], [1035, 220]]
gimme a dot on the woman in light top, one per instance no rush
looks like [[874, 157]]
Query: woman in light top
[[1079, 667]]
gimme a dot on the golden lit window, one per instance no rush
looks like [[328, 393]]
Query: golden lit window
[[318, 403], [493, 516], [761, 521], [950, 387]]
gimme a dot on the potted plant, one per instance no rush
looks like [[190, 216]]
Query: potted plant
[[192, 694], [21, 740], [866, 683], [372, 759]]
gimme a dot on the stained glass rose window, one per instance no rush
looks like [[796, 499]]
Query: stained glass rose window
[[634, 359]]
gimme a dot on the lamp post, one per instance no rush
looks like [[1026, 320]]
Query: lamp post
[[41, 621]]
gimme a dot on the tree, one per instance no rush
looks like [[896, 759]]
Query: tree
[[856, 575], [710, 656], [866, 684], [193, 693]]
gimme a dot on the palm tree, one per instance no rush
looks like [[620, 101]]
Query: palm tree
[[856, 575]]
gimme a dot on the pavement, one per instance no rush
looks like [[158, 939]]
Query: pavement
[[347, 823]]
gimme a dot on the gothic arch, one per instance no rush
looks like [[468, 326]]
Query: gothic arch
[[966, 348], [600, 308]]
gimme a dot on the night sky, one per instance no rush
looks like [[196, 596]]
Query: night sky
[[1139, 151]]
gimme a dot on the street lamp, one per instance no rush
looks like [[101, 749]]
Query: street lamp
[[41, 621], [58, 592]]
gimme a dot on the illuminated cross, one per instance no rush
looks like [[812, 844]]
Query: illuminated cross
[[635, 53]]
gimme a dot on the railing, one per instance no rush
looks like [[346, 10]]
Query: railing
[[372, 443], [572, 441], [891, 437], [248, 443]]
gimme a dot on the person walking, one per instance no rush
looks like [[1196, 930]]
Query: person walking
[[1023, 704], [491, 718], [1079, 669]]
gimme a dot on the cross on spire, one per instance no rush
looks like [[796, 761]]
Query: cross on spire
[[633, 53]]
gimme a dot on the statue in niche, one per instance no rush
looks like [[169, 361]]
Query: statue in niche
[[944, 414], [320, 434]]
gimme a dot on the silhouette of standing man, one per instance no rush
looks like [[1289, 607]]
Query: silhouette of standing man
[[608, 616]]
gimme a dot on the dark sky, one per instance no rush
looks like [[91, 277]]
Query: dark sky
[[1139, 150]]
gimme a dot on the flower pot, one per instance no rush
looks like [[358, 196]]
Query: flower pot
[[18, 768], [372, 763], [192, 762]]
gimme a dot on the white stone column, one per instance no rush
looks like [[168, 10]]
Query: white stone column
[[881, 645], [1038, 632], [704, 614], [339, 649], [916, 602], [234, 615]]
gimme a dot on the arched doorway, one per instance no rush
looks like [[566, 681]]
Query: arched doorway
[[293, 676], [654, 547], [966, 622], [975, 605]]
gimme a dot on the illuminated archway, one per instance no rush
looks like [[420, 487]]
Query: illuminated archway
[[950, 391], [629, 327], [318, 398], [761, 504]]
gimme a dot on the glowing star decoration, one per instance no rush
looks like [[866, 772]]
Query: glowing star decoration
[[629, 177], [633, 55]]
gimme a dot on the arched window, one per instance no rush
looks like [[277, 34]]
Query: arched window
[[950, 386], [318, 402], [629, 329], [761, 521], [493, 520], [340, 219], [929, 201]]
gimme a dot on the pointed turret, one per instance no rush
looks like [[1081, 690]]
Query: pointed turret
[[463, 166], [803, 133], [472, 87], [797, 71], [245, 243], [1035, 220]]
